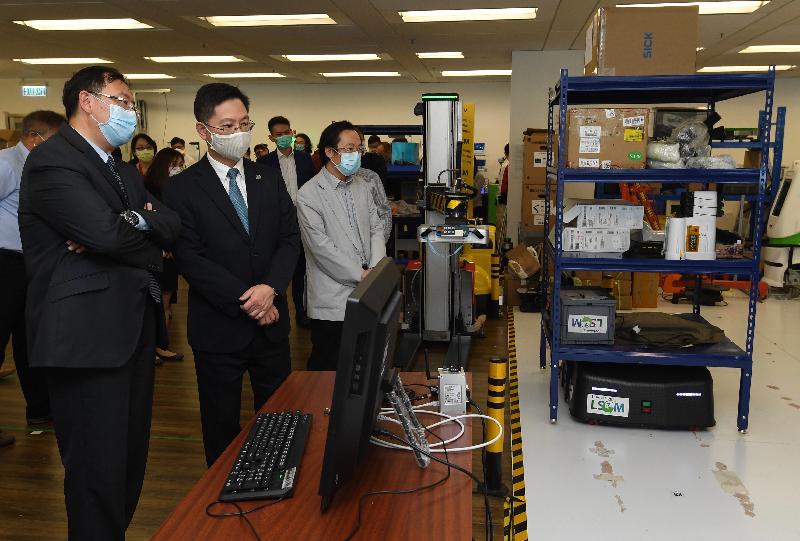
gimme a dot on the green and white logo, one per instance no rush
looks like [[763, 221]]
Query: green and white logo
[[613, 406], [635, 156]]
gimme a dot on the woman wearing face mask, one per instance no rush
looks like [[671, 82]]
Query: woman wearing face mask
[[144, 150], [167, 163]]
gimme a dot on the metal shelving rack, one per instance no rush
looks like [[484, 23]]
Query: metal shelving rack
[[704, 89]]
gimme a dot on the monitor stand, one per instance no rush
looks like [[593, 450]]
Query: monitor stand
[[415, 433]]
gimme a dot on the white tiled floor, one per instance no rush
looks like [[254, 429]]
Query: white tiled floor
[[666, 485]]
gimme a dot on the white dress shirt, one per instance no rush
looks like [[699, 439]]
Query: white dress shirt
[[222, 172], [12, 160], [289, 173]]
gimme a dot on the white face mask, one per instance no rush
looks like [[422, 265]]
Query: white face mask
[[175, 171], [232, 146]]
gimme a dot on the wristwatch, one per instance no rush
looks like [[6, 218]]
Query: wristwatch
[[130, 217]]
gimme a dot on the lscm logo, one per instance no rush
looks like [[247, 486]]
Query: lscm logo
[[647, 51], [608, 406]]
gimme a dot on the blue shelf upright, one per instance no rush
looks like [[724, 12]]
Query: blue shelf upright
[[688, 89]]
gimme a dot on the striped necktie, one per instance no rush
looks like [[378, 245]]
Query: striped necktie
[[237, 198], [153, 286]]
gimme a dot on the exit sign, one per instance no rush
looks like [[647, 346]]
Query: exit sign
[[34, 91]]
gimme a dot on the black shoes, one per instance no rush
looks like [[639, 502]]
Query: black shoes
[[6, 439]]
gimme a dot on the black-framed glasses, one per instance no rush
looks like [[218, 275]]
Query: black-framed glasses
[[228, 129], [123, 102], [361, 148]]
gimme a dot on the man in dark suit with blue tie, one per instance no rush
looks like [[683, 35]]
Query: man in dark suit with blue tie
[[237, 250], [296, 169]]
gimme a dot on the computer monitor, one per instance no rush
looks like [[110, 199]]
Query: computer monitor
[[366, 355]]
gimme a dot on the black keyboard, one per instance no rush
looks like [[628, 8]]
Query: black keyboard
[[266, 467]]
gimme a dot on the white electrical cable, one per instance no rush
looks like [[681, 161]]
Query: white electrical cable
[[448, 418]]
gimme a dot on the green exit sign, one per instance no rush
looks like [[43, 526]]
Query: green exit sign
[[34, 91]]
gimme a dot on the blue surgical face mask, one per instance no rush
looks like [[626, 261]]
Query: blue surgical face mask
[[120, 126], [350, 163], [300, 147], [284, 141]]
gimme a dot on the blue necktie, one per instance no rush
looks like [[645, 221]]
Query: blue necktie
[[238, 199]]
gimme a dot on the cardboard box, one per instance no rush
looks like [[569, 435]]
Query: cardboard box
[[613, 138], [534, 153], [625, 303], [752, 159], [652, 41], [511, 285], [522, 262], [618, 275], [582, 239], [533, 211], [619, 288], [645, 289], [587, 278], [602, 214]]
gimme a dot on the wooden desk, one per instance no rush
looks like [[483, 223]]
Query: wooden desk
[[442, 513]]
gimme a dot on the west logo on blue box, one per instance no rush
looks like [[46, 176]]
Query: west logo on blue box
[[647, 51]]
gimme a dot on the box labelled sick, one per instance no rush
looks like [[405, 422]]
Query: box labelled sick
[[587, 317]]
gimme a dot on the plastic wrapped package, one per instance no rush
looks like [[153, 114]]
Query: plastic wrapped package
[[692, 138], [664, 152], [656, 164], [725, 161]]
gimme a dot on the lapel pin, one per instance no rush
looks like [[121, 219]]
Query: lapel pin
[[258, 177]]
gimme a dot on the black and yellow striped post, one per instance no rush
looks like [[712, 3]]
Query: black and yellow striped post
[[515, 520], [493, 476], [494, 300]]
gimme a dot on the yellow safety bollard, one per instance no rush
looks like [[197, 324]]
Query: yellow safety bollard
[[494, 301], [493, 476]]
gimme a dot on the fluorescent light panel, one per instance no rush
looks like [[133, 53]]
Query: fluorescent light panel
[[46, 61], [724, 69], [771, 49], [453, 15], [176, 59], [147, 76], [475, 73], [244, 75], [84, 24], [270, 20], [708, 8], [454, 54], [328, 57], [361, 74]]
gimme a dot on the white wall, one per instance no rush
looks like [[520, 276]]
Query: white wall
[[310, 107]]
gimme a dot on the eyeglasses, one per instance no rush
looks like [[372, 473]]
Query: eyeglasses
[[121, 101], [360, 149], [230, 128]]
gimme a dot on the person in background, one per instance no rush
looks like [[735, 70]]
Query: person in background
[[260, 149], [374, 162], [248, 154], [385, 150], [374, 143], [302, 143], [180, 145], [376, 188], [37, 127], [504, 178], [144, 150], [237, 250], [93, 239], [167, 163], [296, 169], [343, 237]]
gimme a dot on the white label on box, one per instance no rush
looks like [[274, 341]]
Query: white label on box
[[605, 164], [540, 159], [587, 324], [607, 405], [590, 131], [588, 162], [537, 207], [633, 121], [589, 145], [538, 219], [611, 113]]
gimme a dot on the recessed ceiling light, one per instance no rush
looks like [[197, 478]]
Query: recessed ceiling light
[[173, 59], [84, 24], [453, 54], [63, 61], [361, 74], [474, 73], [708, 8], [771, 49], [243, 75], [146, 76], [722, 69], [328, 57], [153, 91], [270, 20], [451, 15]]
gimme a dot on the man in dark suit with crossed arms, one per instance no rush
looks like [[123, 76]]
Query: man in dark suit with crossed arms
[[238, 248], [92, 239]]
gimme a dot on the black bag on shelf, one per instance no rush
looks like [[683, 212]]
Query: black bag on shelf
[[659, 330]]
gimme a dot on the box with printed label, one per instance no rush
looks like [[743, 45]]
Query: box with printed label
[[533, 208], [612, 138], [652, 41], [602, 214], [534, 155], [587, 317], [584, 239]]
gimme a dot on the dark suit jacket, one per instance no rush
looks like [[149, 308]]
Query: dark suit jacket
[[86, 310], [375, 162], [302, 163], [221, 261]]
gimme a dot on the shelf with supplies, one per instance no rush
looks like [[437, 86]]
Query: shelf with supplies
[[673, 89]]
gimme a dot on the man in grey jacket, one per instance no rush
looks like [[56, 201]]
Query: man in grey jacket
[[343, 238]]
